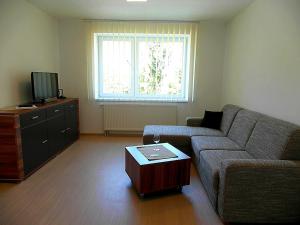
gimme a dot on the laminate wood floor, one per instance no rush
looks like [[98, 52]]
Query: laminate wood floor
[[87, 185]]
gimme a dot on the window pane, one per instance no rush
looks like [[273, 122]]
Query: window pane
[[116, 65], [142, 67], [160, 68]]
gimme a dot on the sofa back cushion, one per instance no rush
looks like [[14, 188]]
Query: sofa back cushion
[[243, 126], [274, 139], [229, 113]]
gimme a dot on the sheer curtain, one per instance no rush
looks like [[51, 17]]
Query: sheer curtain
[[119, 29]]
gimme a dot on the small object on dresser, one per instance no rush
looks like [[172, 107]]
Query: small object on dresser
[[61, 94], [26, 106]]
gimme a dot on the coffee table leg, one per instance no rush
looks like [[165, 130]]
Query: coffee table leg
[[179, 188]]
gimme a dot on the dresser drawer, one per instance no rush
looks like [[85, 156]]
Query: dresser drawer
[[55, 111], [71, 106], [28, 119]]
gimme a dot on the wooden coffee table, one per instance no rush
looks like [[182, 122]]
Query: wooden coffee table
[[157, 175]]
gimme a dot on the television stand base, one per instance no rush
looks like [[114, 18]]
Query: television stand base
[[41, 101]]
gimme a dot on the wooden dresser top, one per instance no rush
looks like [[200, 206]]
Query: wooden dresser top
[[13, 111]]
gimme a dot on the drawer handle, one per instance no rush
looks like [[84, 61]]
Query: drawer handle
[[63, 131], [56, 110], [45, 141], [34, 117]]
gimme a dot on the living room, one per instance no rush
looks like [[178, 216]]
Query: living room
[[132, 73]]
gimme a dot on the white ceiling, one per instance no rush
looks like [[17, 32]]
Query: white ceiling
[[188, 10]]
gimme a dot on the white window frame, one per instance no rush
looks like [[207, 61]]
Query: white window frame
[[101, 94], [134, 95]]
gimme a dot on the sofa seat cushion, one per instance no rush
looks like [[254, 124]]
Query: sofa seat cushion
[[178, 136], [200, 143], [175, 135], [203, 131], [209, 167]]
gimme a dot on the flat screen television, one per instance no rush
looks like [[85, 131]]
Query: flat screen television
[[44, 86]]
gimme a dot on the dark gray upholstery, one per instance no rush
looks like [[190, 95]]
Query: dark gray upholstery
[[178, 136], [193, 121], [246, 167], [209, 167], [271, 139], [243, 126], [200, 143], [259, 191], [292, 149], [229, 113], [203, 131]]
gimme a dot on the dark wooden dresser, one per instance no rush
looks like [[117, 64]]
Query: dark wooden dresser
[[31, 137]]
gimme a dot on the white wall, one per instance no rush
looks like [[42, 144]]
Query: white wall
[[28, 42], [208, 74], [74, 74], [210, 57], [262, 59]]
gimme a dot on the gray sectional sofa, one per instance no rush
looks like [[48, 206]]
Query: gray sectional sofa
[[250, 168]]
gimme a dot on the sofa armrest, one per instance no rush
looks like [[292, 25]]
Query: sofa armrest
[[193, 121], [259, 191]]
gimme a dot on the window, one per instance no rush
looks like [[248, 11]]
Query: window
[[141, 67]]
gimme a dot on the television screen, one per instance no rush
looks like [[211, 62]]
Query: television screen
[[44, 85]]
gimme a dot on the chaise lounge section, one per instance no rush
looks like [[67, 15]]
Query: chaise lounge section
[[250, 168], [180, 136]]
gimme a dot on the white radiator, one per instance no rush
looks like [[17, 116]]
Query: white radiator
[[133, 118]]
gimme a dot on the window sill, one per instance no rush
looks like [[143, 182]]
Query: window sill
[[140, 102]]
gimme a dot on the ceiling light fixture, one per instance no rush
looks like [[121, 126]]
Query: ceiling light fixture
[[136, 0]]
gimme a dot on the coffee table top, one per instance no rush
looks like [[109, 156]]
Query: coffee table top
[[142, 160]]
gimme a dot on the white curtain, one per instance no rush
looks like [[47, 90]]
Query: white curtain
[[170, 29]]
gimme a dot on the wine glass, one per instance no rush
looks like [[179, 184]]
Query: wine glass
[[156, 138]]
